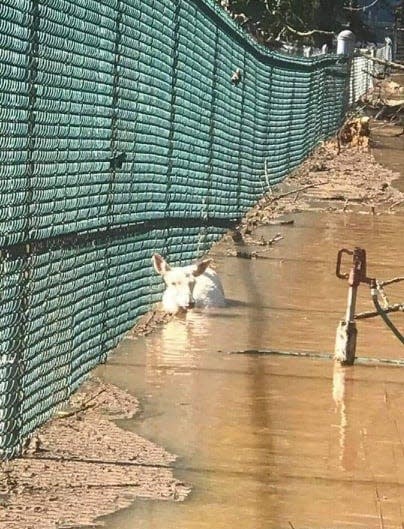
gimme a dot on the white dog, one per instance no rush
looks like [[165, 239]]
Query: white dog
[[190, 286]]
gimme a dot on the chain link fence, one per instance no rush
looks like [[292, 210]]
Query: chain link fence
[[364, 71], [122, 134]]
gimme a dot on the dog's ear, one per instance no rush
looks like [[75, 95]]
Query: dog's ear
[[201, 267], [160, 264]]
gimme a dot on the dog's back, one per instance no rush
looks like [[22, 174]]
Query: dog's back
[[208, 290]]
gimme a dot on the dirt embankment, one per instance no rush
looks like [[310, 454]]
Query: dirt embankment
[[327, 181]]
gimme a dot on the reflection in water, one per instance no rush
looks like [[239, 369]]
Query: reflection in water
[[171, 346], [342, 392], [261, 426], [257, 435]]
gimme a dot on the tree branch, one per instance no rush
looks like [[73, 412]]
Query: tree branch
[[282, 195], [308, 33], [391, 281], [373, 313], [355, 9]]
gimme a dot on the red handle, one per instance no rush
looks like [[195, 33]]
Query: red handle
[[339, 259]]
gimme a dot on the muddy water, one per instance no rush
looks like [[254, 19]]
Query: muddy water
[[276, 441], [388, 149]]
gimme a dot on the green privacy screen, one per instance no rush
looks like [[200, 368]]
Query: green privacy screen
[[122, 134]]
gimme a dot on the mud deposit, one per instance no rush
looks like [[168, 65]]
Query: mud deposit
[[265, 441], [81, 465]]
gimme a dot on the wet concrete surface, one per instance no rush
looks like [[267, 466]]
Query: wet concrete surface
[[276, 441]]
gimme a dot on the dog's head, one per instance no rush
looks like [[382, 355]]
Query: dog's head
[[180, 283]]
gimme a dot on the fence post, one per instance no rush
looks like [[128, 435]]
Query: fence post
[[345, 43]]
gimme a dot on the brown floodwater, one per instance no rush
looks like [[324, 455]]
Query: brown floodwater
[[271, 441], [388, 149]]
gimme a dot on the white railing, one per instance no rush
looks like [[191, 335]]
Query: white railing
[[364, 70]]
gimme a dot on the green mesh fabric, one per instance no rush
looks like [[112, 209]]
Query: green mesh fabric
[[122, 134]]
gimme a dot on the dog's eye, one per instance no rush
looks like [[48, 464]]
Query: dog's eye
[[173, 284]]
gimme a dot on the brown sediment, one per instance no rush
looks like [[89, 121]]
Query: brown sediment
[[150, 321], [81, 466], [334, 182]]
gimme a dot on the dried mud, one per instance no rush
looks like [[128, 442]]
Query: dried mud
[[350, 181], [81, 465]]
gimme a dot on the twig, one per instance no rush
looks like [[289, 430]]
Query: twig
[[398, 203], [371, 314], [371, 74], [263, 241], [278, 237], [382, 294], [122, 484], [282, 195], [363, 8], [390, 281], [381, 110], [243, 255], [84, 407], [266, 175], [246, 254], [308, 33], [382, 61], [399, 109], [279, 222]]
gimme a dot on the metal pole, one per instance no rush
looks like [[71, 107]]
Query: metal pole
[[345, 341]]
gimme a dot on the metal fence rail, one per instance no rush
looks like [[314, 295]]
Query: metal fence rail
[[361, 77], [364, 71], [122, 134]]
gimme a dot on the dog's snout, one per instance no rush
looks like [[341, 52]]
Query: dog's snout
[[188, 305]]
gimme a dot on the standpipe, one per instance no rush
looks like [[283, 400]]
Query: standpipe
[[346, 337]]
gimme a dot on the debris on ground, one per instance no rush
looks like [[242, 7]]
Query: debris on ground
[[355, 132], [150, 321], [385, 92], [328, 181], [335, 178], [81, 466], [385, 99]]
